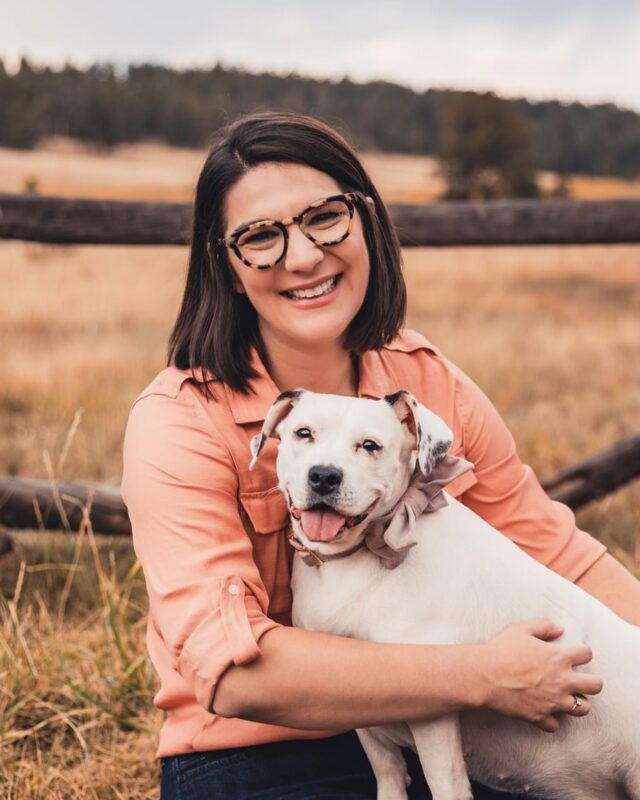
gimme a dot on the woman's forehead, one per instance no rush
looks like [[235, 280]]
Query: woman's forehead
[[275, 191]]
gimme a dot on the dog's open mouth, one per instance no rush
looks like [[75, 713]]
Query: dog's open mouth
[[321, 523]]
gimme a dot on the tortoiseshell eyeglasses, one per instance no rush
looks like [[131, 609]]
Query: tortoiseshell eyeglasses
[[262, 244]]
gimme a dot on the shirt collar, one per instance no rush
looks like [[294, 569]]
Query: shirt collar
[[376, 380], [253, 406]]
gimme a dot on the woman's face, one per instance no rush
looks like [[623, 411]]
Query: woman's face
[[277, 191]]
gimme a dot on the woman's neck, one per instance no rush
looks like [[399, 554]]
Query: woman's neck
[[326, 368]]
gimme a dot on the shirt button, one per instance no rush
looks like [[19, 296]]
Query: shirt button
[[233, 588]]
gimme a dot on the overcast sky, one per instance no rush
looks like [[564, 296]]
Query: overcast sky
[[566, 49]]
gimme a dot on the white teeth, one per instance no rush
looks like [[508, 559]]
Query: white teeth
[[317, 291]]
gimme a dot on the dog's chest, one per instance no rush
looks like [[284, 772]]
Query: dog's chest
[[337, 597], [358, 597]]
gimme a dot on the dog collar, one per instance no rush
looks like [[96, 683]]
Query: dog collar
[[314, 559], [391, 536]]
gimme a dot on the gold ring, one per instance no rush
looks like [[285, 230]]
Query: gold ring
[[577, 702]]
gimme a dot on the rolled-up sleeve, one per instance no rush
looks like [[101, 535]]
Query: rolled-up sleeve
[[206, 599], [508, 495]]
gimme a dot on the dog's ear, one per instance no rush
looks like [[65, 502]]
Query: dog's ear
[[280, 407], [433, 436]]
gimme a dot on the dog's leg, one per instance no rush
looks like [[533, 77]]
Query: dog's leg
[[439, 747], [387, 762]]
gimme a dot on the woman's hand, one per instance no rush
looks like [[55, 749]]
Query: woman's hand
[[530, 678]]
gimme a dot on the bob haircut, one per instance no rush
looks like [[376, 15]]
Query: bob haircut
[[217, 326]]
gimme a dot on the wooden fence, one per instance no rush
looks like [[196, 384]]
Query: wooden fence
[[55, 220], [61, 506]]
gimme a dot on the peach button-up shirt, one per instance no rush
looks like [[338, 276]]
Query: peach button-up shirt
[[210, 535]]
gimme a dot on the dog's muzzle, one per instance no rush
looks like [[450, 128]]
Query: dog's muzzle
[[321, 523]]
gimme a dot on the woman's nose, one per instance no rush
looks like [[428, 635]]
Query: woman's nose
[[302, 254]]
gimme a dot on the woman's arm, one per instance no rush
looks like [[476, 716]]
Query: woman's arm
[[312, 680], [615, 586]]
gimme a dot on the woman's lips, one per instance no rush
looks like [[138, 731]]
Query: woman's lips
[[319, 300]]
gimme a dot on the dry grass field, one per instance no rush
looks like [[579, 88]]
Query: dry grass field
[[551, 334], [154, 171]]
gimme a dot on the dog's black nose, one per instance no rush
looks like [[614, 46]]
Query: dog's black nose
[[324, 480]]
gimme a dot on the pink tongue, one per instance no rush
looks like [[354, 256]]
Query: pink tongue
[[321, 525]]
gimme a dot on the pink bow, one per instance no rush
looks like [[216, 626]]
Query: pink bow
[[392, 536]]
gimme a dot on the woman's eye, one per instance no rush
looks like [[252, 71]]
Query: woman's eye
[[303, 433], [323, 219], [259, 238], [370, 446]]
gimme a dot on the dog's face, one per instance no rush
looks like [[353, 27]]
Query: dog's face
[[343, 461]]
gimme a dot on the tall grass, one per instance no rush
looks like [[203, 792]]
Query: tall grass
[[76, 716], [76, 685]]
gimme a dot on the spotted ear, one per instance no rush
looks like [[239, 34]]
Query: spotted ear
[[433, 436], [280, 407]]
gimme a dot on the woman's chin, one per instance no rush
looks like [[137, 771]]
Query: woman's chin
[[321, 335], [310, 332]]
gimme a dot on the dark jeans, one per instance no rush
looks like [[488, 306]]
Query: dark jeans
[[325, 769]]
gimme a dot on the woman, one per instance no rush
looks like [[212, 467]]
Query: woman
[[294, 280]]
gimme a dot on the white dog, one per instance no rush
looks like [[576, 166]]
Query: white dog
[[343, 465]]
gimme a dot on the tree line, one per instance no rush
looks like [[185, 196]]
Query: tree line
[[105, 106]]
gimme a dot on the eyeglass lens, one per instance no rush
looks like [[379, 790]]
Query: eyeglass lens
[[264, 243]]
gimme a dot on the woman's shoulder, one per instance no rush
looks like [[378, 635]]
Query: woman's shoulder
[[410, 341], [172, 428], [175, 398], [170, 381], [413, 362], [413, 352]]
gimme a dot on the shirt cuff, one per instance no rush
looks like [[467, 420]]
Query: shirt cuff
[[229, 635], [578, 556]]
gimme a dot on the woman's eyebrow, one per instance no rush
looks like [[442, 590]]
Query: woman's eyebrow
[[251, 222], [276, 219]]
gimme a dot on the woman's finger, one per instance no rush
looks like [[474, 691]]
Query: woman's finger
[[543, 629], [577, 706], [548, 724], [579, 655], [584, 683]]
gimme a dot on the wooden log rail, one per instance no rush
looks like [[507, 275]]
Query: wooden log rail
[[57, 220], [597, 476], [39, 505]]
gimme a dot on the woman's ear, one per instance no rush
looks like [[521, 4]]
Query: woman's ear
[[371, 202]]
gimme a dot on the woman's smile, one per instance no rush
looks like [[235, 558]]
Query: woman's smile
[[308, 295]]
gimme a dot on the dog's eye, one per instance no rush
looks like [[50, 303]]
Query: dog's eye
[[370, 446], [303, 433]]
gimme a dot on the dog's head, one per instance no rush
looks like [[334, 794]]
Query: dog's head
[[343, 461]]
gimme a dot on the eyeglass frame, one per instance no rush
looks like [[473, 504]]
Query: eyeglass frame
[[231, 241]]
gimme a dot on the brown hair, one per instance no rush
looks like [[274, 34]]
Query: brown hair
[[216, 326]]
